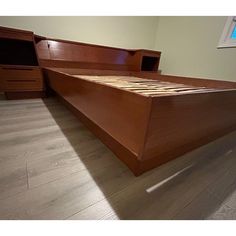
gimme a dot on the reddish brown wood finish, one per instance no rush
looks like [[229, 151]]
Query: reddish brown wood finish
[[25, 95], [19, 73], [187, 121], [143, 131], [209, 83], [125, 155], [68, 54], [79, 71], [96, 102], [21, 78], [10, 33]]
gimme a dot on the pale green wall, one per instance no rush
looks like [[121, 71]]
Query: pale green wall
[[128, 32], [188, 46]]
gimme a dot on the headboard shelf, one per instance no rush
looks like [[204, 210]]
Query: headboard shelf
[[69, 54]]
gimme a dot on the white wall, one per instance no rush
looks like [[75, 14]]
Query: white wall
[[127, 32], [188, 46]]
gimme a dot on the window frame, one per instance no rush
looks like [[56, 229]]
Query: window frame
[[225, 40]]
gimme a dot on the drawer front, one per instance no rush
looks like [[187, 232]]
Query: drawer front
[[19, 72], [22, 84], [21, 79]]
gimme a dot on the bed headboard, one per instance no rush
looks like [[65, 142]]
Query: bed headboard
[[61, 54]]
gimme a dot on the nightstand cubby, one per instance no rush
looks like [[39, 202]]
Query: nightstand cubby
[[20, 74]]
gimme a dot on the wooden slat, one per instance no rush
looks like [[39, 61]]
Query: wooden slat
[[145, 87]]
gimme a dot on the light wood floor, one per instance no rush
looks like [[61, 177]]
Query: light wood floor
[[52, 167]]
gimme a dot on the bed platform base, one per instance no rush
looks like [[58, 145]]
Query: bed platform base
[[147, 130], [127, 157]]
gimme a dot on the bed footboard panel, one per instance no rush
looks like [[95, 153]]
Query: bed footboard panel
[[178, 124]]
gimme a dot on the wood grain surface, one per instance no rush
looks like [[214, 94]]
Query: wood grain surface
[[154, 121]]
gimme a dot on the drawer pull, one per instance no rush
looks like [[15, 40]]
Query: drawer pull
[[21, 80], [5, 68]]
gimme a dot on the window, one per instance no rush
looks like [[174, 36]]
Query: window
[[233, 35], [228, 37]]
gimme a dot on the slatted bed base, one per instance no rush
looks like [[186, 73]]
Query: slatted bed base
[[148, 122], [145, 86]]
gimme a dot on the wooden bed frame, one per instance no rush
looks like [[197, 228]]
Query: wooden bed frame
[[146, 128], [144, 117]]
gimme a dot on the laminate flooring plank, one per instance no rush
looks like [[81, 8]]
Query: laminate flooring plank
[[13, 178], [53, 167], [64, 197], [168, 198], [211, 199], [224, 213]]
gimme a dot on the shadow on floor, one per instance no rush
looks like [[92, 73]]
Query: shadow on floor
[[193, 186]]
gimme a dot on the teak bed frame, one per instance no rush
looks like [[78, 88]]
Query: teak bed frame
[[144, 117]]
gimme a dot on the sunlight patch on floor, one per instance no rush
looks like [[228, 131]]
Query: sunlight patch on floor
[[158, 185]]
